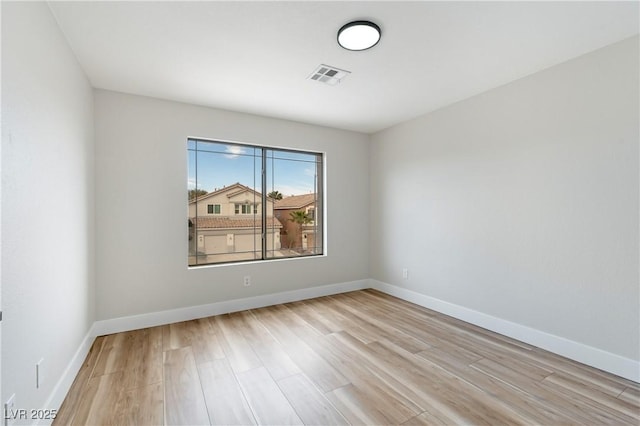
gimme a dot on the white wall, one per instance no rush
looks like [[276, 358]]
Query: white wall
[[1, 207], [141, 199], [47, 203], [527, 205]]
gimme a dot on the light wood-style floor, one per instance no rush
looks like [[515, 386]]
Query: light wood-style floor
[[358, 358]]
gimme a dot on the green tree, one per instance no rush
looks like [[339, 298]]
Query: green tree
[[301, 218], [276, 195], [195, 193]]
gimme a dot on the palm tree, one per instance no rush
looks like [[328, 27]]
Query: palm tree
[[276, 195], [301, 218]]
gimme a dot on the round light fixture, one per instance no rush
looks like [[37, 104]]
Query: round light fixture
[[359, 35]]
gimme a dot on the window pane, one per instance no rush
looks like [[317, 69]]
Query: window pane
[[293, 180], [227, 174]]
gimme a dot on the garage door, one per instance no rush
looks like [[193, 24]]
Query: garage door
[[215, 244], [246, 242]]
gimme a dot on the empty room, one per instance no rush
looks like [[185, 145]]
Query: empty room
[[320, 212]]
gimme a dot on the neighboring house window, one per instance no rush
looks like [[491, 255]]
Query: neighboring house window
[[251, 181], [246, 209]]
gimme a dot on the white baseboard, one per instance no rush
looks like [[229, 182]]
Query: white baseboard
[[61, 389], [594, 357], [153, 319]]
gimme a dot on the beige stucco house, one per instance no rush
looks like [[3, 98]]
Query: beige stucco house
[[290, 230], [225, 225]]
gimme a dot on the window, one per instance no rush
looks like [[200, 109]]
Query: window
[[266, 202], [246, 209]]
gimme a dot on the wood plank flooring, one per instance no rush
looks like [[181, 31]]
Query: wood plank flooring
[[354, 358]]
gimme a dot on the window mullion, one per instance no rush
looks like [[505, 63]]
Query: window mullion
[[263, 175]]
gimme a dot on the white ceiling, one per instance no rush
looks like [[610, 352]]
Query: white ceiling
[[255, 57]]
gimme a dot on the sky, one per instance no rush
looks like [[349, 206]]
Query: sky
[[218, 165]]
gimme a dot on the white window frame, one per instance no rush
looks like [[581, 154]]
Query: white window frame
[[320, 235]]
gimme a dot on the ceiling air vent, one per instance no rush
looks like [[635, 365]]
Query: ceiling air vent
[[329, 75]]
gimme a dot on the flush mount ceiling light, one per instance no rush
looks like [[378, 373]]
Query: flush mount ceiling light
[[359, 35]]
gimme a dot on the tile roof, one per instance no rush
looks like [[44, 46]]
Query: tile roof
[[203, 222], [295, 201], [237, 188]]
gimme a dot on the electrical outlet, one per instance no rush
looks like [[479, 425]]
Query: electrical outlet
[[39, 373], [405, 273], [247, 280]]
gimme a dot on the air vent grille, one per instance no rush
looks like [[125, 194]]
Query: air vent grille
[[328, 74]]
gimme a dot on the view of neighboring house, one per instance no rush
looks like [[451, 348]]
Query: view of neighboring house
[[224, 225], [299, 236]]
